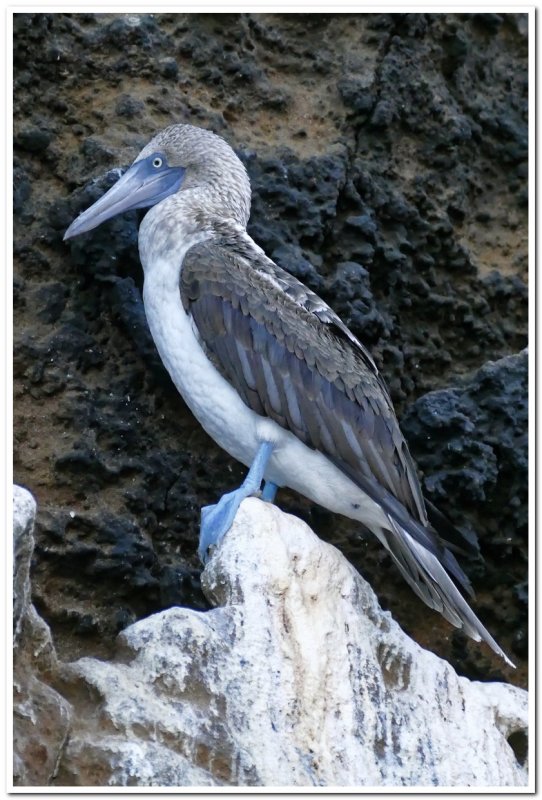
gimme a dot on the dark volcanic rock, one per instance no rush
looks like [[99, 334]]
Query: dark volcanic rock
[[387, 154], [471, 443], [33, 140]]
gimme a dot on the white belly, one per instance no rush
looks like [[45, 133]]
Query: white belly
[[226, 418]]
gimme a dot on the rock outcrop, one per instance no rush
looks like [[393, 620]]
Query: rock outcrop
[[41, 715], [295, 678]]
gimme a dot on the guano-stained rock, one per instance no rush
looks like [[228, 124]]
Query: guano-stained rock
[[296, 678], [41, 716]]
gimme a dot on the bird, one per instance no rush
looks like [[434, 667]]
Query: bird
[[268, 368]]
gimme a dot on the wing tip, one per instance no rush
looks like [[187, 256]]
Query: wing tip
[[405, 551], [488, 639]]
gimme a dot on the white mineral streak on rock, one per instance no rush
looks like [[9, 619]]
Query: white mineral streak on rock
[[298, 678]]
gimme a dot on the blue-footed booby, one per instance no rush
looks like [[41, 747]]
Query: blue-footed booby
[[269, 370]]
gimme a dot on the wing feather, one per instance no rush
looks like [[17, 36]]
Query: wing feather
[[251, 330], [321, 385]]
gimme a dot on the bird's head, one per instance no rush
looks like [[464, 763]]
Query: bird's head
[[181, 158]]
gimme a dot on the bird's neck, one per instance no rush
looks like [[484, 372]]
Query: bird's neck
[[179, 222]]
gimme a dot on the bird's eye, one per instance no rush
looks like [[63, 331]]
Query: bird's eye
[[157, 162]]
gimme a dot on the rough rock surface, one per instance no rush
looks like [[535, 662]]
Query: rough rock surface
[[297, 678], [388, 156], [471, 442], [41, 716]]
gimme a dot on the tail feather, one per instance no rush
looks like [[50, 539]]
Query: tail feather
[[449, 562], [428, 578]]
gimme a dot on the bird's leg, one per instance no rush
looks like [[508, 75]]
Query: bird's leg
[[216, 520], [269, 491]]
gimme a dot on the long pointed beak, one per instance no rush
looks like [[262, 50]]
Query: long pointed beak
[[141, 186]]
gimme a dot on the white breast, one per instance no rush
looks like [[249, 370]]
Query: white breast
[[209, 396]]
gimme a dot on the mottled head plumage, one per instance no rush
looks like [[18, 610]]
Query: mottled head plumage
[[190, 169], [213, 172]]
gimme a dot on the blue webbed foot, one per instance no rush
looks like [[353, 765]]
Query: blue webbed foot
[[216, 520]]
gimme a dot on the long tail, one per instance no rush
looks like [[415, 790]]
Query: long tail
[[427, 576]]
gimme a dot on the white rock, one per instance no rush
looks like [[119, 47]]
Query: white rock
[[129, 761], [41, 716], [24, 511], [297, 679]]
